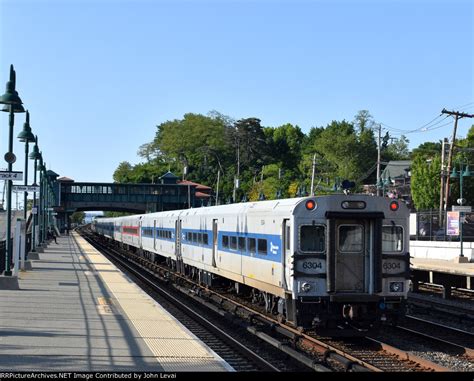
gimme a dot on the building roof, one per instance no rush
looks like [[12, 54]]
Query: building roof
[[65, 179], [202, 195], [396, 169], [198, 186], [169, 175]]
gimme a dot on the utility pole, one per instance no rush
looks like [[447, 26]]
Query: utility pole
[[217, 194], [378, 161], [443, 176], [312, 176], [458, 115]]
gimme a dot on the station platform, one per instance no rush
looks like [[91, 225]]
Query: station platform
[[446, 273], [75, 311]]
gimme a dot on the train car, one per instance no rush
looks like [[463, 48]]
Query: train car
[[333, 263]]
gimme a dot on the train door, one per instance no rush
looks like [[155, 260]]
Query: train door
[[287, 257], [154, 234], [352, 254], [214, 242], [179, 257], [139, 236]]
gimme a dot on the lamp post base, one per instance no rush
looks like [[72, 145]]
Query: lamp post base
[[460, 259], [33, 255], [9, 283]]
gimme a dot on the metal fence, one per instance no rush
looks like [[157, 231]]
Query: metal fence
[[431, 226]]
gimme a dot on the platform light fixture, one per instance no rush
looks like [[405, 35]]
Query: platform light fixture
[[26, 136], [13, 104], [463, 172], [34, 155]]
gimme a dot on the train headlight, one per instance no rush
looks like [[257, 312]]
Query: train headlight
[[310, 204], [396, 286], [306, 287], [394, 206]]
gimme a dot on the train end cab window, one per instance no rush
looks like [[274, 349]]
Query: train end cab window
[[312, 238], [392, 238]]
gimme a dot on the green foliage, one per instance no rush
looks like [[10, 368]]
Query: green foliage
[[427, 150], [425, 182], [212, 143], [78, 217]]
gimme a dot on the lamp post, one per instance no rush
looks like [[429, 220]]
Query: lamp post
[[41, 200], [26, 136], [383, 183], [454, 175], [35, 155], [14, 103]]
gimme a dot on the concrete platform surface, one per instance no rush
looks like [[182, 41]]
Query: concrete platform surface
[[444, 266], [75, 311]]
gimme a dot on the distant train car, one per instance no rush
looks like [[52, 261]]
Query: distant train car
[[332, 263]]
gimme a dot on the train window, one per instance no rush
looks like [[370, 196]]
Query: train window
[[287, 238], [242, 243], [195, 238], [200, 237], [233, 243], [225, 241], [351, 238], [262, 246], [392, 238], [312, 238], [251, 245], [205, 239]]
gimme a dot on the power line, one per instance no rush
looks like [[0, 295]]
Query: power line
[[458, 115]]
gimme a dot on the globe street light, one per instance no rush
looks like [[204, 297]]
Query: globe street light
[[26, 136], [14, 103], [454, 175], [35, 155]]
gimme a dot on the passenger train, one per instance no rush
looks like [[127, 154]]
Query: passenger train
[[330, 263]]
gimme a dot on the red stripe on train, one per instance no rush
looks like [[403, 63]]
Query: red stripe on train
[[130, 230]]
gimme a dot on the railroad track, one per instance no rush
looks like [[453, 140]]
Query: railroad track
[[459, 340], [361, 354], [450, 349], [239, 353]]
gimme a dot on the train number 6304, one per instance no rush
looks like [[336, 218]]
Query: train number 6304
[[312, 265], [391, 265]]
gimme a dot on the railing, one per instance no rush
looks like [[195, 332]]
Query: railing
[[430, 227]]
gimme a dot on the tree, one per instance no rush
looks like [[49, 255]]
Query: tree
[[425, 182], [78, 217], [123, 173], [427, 150], [364, 121], [397, 150]]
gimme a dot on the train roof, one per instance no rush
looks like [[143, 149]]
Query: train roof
[[282, 206]]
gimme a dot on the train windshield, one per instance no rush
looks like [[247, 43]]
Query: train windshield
[[392, 238], [312, 238]]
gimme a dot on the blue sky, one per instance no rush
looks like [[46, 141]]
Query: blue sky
[[98, 76]]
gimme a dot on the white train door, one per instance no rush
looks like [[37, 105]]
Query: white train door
[[287, 256], [214, 242]]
